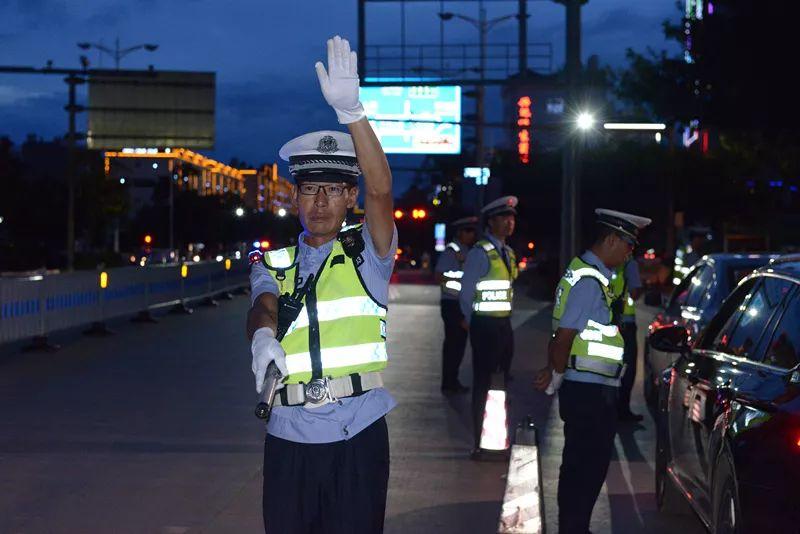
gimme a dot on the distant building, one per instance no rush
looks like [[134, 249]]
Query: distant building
[[535, 105], [142, 168]]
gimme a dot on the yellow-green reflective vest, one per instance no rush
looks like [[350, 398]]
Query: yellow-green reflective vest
[[451, 280], [598, 348], [621, 293], [494, 292], [341, 329]]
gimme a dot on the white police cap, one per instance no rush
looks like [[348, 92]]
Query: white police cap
[[622, 222], [501, 206], [326, 156]]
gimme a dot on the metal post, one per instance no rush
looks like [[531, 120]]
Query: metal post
[[171, 214], [479, 111], [523, 36], [362, 36], [72, 108], [569, 187]]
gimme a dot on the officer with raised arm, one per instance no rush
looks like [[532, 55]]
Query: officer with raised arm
[[326, 455]]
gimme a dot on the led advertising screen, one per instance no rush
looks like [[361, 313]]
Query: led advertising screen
[[393, 111]]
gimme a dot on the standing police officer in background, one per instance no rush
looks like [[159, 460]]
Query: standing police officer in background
[[449, 271], [486, 295], [326, 455], [626, 286], [586, 352]]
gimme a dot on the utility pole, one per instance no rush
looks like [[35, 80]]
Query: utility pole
[[72, 108], [570, 187], [479, 108]]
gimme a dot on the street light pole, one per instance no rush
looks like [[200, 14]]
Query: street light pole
[[72, 108], [117, 53]]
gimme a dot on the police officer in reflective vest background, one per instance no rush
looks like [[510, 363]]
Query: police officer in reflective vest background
[[449, 271], [586, 352], [626, 286], [326, 455], [486, 295]]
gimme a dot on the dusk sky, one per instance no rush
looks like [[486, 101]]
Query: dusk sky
[[264, 52]]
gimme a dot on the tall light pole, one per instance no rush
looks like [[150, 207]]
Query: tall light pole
[[483, 26], [117, 53], [570, 186]]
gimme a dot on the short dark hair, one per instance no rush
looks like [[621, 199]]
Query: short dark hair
[[601, 232]]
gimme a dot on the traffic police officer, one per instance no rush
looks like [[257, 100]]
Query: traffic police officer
[[626, 286], [486, 295], [326, 456], [586, 352], [449, 271]]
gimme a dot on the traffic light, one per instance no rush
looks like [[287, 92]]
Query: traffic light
[[148, 239], [398, 214], [419, 213]]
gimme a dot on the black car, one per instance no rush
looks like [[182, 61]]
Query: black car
[[693, 303], [729, 409]]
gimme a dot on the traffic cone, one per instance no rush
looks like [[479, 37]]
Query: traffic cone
[[494, 429]]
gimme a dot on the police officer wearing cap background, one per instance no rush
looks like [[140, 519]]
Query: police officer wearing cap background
[[326, 455], [486, 294], [585, 357], [449, 271], [626, 286]]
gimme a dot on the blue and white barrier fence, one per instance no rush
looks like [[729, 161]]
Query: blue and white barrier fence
[[35, 306]]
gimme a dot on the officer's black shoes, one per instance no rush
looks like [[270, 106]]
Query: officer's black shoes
[[455, 389], [630, 417]]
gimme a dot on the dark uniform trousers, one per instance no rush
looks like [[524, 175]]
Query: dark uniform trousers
[[327, 488], [492, 341], [455, 341], [589, 412], [630, 357]]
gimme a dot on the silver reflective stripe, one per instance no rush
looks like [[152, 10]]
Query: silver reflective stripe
[[609, 330], [331, 310], [488, 247], [605, 351], [595, 366], [491, 306], [493, 285], [577, 274], [588, 334], [457, 275], [454, 247], [279, 258], [452, 284], [336, 357]]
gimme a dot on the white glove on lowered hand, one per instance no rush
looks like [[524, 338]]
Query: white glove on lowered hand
[[266, 349], [340, 82], [555, 383]]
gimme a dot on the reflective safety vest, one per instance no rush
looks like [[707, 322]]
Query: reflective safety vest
[[341, 328], [599, 347], [451, 280], [493, 292], [622, 301]]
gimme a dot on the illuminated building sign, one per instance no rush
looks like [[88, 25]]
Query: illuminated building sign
[[479, 174], [438, 235], [524, 116], [415, 120]]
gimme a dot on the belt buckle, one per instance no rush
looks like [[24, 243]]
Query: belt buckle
[[318, 392]]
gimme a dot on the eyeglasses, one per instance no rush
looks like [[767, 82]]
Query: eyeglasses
[[330, 190]]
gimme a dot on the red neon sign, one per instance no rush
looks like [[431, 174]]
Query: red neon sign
[[524, 116]]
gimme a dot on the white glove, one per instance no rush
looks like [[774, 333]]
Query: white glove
[[266, 349], [555, 383], [340, 83]]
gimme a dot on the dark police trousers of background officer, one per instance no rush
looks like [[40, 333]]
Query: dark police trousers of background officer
[[492, 342], [455, 341]]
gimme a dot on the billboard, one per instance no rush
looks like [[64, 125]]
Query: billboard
[[392, 111], [151, 109]]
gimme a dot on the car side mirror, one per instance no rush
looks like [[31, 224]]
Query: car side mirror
[[670, 339], [653, 298]]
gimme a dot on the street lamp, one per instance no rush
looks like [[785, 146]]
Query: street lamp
[[239, 212], [585, 121], [483, 26], [117, 53], [281, 212]]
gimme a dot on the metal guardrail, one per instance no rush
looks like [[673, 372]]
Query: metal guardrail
[[36, 306]]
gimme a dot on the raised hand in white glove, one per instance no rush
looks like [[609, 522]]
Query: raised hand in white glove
[[339, 83], [266, 349]]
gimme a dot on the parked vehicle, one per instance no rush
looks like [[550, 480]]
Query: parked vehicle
[[728, 439], [693, 302]]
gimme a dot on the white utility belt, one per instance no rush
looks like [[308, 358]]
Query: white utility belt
[[322, 391]]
